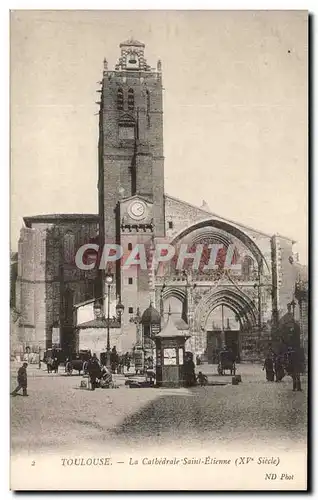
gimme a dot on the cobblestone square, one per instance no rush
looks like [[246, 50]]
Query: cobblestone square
[[58, 415]]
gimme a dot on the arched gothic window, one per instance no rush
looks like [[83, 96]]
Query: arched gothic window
[[69, 247], [120, 99], [131, 99]]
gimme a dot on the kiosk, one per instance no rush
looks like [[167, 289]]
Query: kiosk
[[170, 355]]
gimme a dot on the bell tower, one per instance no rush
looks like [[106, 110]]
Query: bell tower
[[131, 173], [131, 161]]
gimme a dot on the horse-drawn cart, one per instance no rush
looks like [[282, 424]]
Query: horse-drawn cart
[[226, 362], [75, 365]]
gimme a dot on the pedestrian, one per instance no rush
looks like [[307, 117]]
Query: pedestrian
[[127, 361], [279, 368], [269, 368], [202, 379], [114, 360], [22, 381], [189, 370], [294, 368], [94, 370], [56, 365]]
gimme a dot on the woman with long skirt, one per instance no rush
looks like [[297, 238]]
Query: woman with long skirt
[[269, 368]]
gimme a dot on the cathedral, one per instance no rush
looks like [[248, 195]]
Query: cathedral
[[242, 307]]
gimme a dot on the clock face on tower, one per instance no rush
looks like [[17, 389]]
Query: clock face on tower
[[137, 210]]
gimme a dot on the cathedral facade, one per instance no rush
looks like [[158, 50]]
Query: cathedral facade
[[241, 307]]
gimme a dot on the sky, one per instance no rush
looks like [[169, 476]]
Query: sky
[[235, 110]]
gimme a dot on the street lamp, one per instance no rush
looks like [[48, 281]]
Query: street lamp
[[97, 309], [109, 280], [119, 309], [139, 348]]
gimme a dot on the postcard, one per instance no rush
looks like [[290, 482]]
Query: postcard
[[159, 281]]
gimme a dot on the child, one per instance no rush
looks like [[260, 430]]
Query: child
[[202, 379]]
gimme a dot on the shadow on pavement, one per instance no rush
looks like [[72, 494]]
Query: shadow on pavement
[[210, 413]]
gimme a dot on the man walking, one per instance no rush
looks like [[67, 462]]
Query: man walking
[[269, 367], [294, 366], [22, 381], [94, 370]]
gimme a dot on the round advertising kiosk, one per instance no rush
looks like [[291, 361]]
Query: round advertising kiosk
[[151, 326], [170, 355]]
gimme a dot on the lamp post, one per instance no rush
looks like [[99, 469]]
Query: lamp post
[[119, 309], [139, 350], [109, 279]]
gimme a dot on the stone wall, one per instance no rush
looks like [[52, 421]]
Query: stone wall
[[46, 269]]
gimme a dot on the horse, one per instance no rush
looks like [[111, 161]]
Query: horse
[[52, 365], [75, 364]]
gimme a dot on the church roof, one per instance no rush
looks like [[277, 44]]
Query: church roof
[[207, 210], [59, 217], [132, 43], [99, 323]]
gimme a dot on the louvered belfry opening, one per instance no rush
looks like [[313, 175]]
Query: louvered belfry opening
[[131, 99], [120, 99]]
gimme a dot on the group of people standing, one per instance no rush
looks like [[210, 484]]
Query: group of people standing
[[278, 365], [119, 362], [99, 374]]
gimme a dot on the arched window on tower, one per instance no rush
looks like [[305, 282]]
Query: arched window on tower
[[69, 247], [120, 99], [131, 99]]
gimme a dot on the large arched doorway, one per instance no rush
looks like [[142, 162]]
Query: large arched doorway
[[233, 313], [240, 281], [222, 327]]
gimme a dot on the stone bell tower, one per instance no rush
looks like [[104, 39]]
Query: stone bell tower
[[130, 137], [131, 166]]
